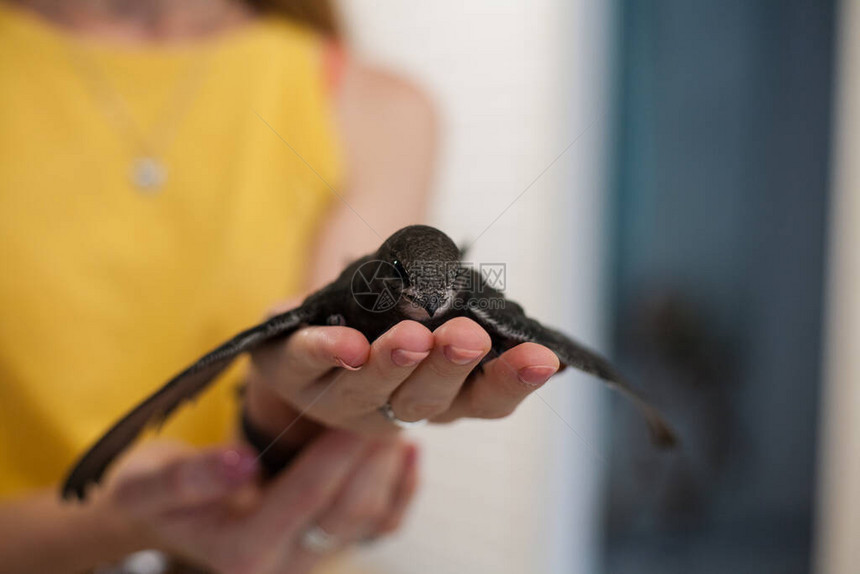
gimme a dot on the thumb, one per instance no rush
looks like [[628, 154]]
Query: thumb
[[195, 478]]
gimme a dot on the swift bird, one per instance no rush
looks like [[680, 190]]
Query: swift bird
[[416, 274]]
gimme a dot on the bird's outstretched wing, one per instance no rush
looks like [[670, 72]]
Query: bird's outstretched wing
[[506, 321], [184, 386]]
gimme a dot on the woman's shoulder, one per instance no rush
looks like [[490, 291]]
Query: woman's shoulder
[[383, 105], [383, 89], [355, 80]]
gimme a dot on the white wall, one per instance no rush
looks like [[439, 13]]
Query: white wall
[[516, 83], [838, 532]]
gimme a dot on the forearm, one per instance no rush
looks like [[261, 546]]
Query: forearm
[[40, 534]]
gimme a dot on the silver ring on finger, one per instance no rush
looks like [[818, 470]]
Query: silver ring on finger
[[316, 540], [389, 415]]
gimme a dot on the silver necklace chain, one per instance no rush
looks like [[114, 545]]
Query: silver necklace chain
[[148, 170]]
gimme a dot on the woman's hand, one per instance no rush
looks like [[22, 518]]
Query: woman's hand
[[208, 507], [335, 377]]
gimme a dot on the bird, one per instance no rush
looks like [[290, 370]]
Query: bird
[[416, 274]]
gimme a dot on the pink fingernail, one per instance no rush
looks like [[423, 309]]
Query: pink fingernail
[[404, 358], [460, 356], [535, 375], [237, 467], [344, 365]]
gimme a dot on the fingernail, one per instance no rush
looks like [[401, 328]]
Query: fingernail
[[412, 453], [344, 365], [237, 467], [535, 375], [460, 356], [404, 358]]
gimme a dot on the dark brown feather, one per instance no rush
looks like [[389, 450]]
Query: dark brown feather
[[181, 388]]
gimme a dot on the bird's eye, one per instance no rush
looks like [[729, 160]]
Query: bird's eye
[[401, 270]]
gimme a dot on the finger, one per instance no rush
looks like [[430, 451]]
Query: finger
[[365, 497], [308, 486], [459, 345], [189, 481], [393, 357], [505, 382], [308, 354], [404, 492]]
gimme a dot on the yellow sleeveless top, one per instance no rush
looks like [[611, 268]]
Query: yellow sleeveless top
[[107, 291]]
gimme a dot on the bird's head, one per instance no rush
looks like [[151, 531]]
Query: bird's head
[[428, 264]]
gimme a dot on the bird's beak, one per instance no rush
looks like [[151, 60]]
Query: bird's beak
[[432, 305]]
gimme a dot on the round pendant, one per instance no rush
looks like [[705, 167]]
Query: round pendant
[[148, 174]]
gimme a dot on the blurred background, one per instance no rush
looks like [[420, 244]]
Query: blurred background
[[663, 174]]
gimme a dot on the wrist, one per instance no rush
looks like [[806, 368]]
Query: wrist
[[42, 534], [116, 534], [271, 416]]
